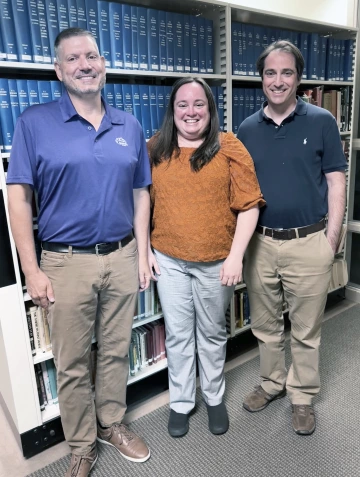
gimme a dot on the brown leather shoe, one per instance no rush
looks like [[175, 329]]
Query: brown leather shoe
[[303, 419], [81, 465], [258, 399], [130, 446]]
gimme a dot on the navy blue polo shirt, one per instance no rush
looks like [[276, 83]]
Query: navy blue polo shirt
[[84, 178], [291, 161]]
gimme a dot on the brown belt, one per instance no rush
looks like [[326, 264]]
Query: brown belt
[[289, 234]]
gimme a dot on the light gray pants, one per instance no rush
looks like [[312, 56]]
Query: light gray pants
[[194, 303]]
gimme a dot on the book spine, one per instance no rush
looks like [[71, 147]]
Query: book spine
[[56, 90], [134, 38], [145, 114], [119, 100], [162, 40], [46, 378], [179, 42], [44, 89], [39, 389], [43, 22], [33, 92], [127, 96], [14, 100], [209, 46], [6, 124], [8, 30], [41, 329], [143, 38], [250, 51], [81, 14], [2, 50], [22, 33], [93, 18], [170, 28], [52, 24], [135, 91], [63, 14], [153, 110], [31, 333], [35, 32], [72, 12], [187, 44], [153, 39], [109, 94], [116, 37], [194, 45], [38, 371], [126, 28], [46, 329], [50, 366], [202, 44], [104, 31]]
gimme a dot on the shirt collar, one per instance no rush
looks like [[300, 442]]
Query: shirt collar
[[300, 109], [68, 111]]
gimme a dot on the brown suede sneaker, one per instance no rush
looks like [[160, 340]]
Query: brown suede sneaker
[[130, 446], [258, 399], [303, 419], [81, 465]]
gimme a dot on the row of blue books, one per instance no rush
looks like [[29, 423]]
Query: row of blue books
[[45, 374], [147, 102], [245, 102], [326, 58], [128, 36]]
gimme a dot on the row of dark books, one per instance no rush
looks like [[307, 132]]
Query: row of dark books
[[326, 58], [147, 103], [45, 374], [38, 326], [129, 37], [246, 101], [147, 346]]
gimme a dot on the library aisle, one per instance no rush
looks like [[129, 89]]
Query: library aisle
[[251, 436]]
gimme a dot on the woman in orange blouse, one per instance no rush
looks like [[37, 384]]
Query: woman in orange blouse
[[205, 204]]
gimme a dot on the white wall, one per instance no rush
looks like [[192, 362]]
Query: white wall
[[338, 12]]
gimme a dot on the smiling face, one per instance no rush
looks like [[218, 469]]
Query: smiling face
[[80, 67], [280, 80], [191, 114]]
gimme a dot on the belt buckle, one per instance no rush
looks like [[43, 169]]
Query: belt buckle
[[97, 246]]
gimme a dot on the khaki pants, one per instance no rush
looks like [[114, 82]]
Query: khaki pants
[[92, 294], [297, 271]]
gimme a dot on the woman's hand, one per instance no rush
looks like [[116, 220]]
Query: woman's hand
[[153, 265], [231, 271]]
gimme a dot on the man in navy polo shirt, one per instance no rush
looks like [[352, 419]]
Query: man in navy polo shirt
[[300, 165], [88, 163]]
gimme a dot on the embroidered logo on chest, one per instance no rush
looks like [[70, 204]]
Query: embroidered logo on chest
[[305, 141], [121, 141]]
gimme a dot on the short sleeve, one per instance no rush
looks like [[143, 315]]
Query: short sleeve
[[22, 164], [333, 154], [245, 191]]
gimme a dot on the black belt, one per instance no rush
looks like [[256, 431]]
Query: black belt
[[288, 234], [98, 249]]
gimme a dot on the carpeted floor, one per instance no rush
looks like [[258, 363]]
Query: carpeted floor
[[261, 444]]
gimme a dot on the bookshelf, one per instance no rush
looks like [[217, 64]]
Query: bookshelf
[[35, 430]]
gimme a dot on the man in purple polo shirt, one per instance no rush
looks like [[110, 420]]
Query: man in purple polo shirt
[[89, 165]]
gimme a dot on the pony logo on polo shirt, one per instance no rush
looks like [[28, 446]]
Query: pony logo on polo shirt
[[305, 141], [121, 141]]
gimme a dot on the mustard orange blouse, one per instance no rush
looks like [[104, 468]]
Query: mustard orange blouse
[[194, 213]]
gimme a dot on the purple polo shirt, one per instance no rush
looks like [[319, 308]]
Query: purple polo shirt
[[84, 178]]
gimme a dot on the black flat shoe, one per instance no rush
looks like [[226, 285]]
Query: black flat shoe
[[178, 424], [218, 419]]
